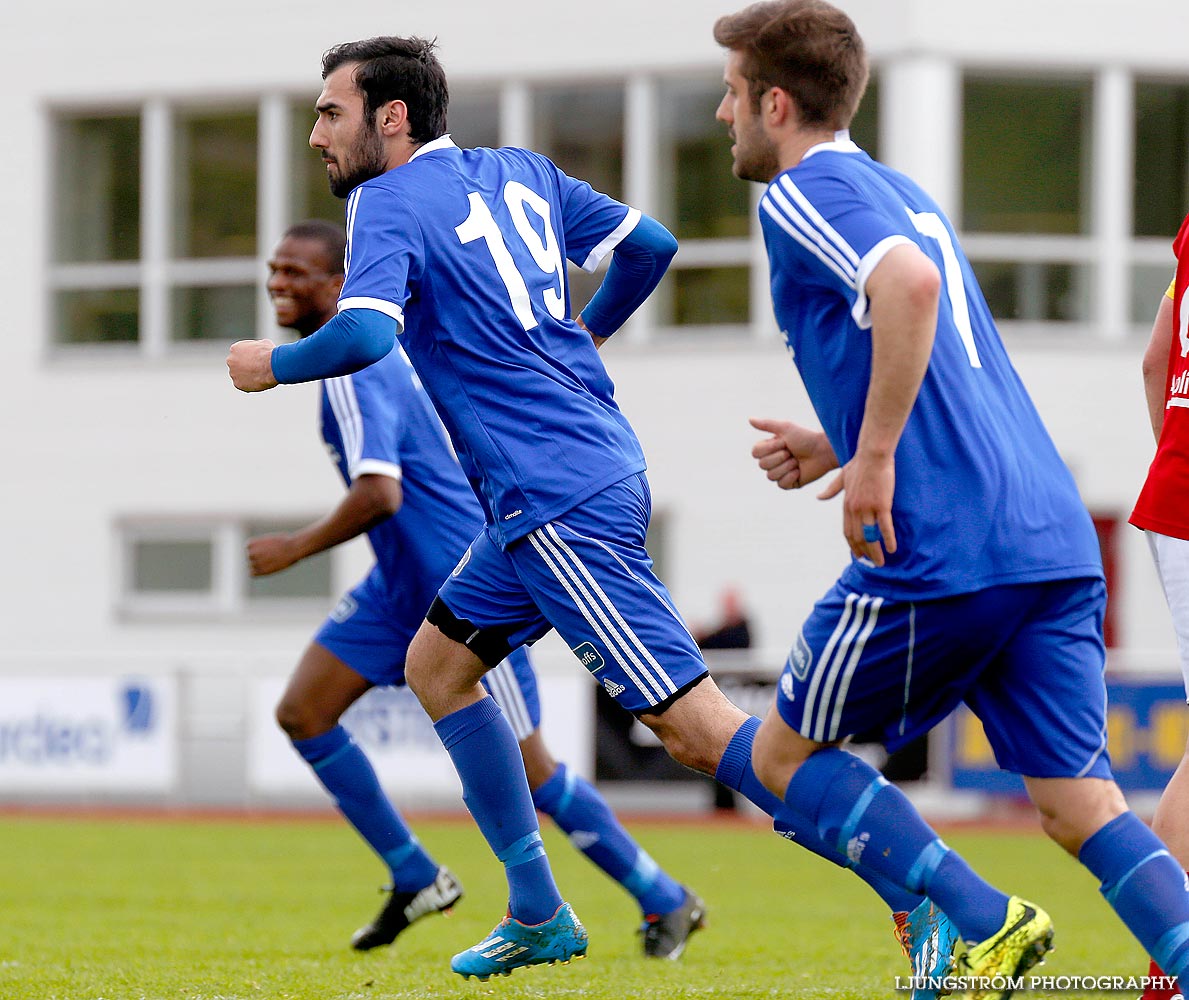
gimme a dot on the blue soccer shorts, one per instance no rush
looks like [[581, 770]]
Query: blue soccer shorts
[[588, 575], [370, 633], [1027, 658]]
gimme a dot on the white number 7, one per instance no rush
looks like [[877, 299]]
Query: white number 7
[[930, 224]]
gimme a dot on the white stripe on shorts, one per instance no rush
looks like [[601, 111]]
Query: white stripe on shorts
[[839, 660], [505, 689], [621, 643]]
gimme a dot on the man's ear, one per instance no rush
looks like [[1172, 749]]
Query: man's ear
[[778, 107], [391, 117]]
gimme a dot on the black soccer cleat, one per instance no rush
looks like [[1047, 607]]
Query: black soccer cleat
[[404, 908], [665, 934]]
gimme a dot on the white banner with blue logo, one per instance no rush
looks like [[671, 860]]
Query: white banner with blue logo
[[392, 728], [388, 723], [88, 734]]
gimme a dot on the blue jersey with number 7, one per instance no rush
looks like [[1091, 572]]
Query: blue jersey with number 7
[[982, 497], [467, 250]]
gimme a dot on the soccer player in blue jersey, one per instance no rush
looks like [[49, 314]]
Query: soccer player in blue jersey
[[976, 575], [406, 490], [462, 253]]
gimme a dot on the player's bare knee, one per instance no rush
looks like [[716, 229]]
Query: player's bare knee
[[299, 721], [1062, 834], [1073, 810], [422, 681], [681, 745]]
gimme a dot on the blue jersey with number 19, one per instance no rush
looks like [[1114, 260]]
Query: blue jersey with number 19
[[466, 249], [982, 498]]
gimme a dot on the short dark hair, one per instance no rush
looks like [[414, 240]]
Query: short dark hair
[[808, 48], [398, 69], [331, 237]]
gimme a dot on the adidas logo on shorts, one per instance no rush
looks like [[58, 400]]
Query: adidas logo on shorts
[[613, 689]]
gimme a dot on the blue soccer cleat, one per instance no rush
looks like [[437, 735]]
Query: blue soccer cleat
[[513, 945], [928, 939]]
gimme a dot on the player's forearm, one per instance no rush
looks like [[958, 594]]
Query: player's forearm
[[1155, 364], [364, 507], [904, 299], [637, 266], [350, 342]]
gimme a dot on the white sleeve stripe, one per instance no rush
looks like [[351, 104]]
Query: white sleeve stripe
[[364, 302], [868, 264], [341, 393], [376, 467], [797, 219], [610, 242], [769, 206], [816, 218], [352, 205]]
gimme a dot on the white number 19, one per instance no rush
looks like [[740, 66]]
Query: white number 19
[[480, 224]]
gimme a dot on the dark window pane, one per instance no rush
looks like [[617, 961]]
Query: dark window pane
[[581, 130], [96, 316], [1035, 291], [215, 178], [172, 566], [309, 578], [474, 119], [1025, 146], [864, 127], [226, 312], [311, 197], [701, 198], [705, 296], [1161, 168], [97, 189]]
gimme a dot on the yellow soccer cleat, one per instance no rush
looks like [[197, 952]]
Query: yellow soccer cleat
[[991, 968]]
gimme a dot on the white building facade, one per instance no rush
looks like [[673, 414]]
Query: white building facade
[[154, 157]]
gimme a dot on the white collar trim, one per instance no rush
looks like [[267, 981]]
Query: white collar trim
[[441, 142], [841, 143]]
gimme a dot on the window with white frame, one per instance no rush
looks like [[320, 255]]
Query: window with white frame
[[706, 207], [186, 568], [155, 229], [1160, 192], [96, 232], [1026, 195]]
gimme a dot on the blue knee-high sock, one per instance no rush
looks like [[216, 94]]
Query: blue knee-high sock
[[495, 790], [576, 806], [735, 771], [1146, 887], [347, 774], [862, 815]]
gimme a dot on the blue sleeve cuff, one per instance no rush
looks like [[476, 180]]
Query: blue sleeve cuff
[[637, 265], [350, 342]]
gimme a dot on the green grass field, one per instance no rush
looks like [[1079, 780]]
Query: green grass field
[[202, 909]]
